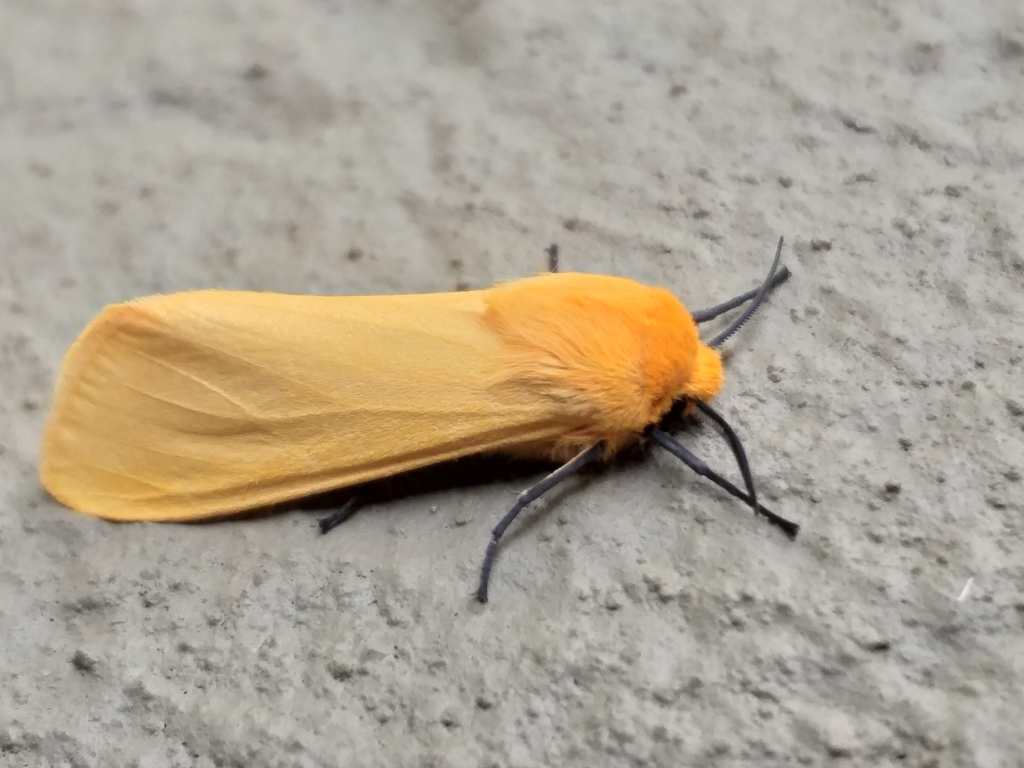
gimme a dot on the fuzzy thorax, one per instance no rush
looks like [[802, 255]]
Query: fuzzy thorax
[[611, 354]]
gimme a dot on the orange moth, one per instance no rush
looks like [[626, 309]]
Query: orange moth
[[195, 405]]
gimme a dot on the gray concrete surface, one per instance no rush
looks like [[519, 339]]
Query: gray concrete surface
[[640, 617]]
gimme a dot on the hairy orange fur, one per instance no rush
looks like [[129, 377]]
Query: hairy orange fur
[[615, 352], [199, 404]]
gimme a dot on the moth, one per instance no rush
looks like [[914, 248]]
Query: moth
[[196, 405]]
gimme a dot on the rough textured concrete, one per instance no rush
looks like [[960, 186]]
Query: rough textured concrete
[[639, 617]]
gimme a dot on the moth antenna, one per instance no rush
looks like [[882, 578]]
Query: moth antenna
[[761, 293], [703, 315], [552, 252]]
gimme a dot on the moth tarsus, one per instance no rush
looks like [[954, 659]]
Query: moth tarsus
[[339, 516], [552, 252]]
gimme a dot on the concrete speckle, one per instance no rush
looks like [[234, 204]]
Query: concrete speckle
[[639, 616]]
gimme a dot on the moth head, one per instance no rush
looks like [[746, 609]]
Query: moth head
[[706, 376]]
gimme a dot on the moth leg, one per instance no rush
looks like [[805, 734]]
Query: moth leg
[[526, 497], [734, 443], [339, 516], [552, 252], [677, 449], [704, 315]]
